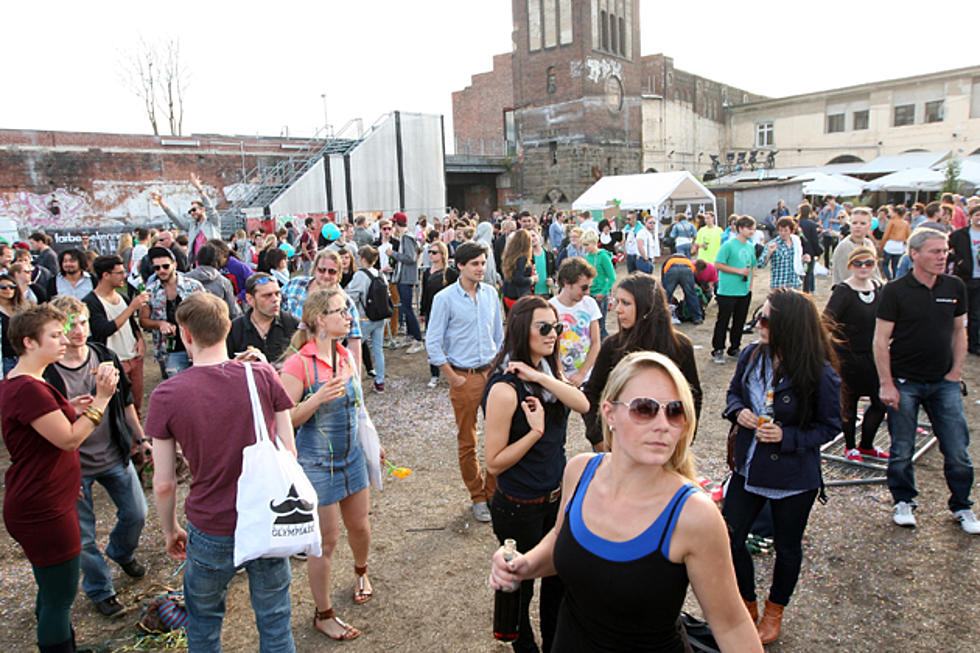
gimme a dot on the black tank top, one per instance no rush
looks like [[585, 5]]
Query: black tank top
[[620, 596]]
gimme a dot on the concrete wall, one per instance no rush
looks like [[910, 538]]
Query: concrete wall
[[800, 122], [676, 137], [759, 201]]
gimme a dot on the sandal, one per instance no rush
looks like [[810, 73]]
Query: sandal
[[349, 631], [361, 595]]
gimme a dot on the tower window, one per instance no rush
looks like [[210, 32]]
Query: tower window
[[612, 33], [553, 147], [552, 84], [622, 38], [604, 21]]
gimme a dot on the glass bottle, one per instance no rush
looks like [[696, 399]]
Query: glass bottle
[[507, 603]]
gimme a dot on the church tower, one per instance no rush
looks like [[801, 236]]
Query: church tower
[[577, 107]]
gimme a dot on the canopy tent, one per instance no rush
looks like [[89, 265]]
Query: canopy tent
[[969, 172], [913, 179], [648, 191], [819, 183]]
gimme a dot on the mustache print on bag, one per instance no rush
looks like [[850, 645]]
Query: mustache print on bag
[[292, 509]]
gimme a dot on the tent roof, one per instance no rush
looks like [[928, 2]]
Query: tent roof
[[643, 191], [818, 183], [904, 161], [909, 180]]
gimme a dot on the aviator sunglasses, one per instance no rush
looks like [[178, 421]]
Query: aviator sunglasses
[[643, 410]]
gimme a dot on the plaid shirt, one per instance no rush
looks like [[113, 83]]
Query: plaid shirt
[[158, 307], [782, 273], [294, 296]]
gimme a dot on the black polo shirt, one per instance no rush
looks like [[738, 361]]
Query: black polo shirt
[[921, 346], [243, 333]]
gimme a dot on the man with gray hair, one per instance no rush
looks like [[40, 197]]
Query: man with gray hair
[[919, 350]]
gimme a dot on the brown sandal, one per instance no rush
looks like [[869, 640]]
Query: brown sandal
[[361, 595], [349, 631]]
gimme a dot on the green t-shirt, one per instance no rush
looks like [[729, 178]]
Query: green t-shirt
[[736, 254], [709, 242], [541, 267]]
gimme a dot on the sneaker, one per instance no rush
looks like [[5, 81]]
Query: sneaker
[[109, 606], [968, 521], [134, 569], [718, 357], [853, 455], [733, 351], [379, 387], [433, 382], [674, 320], [903, 515], [748, 328], [481, 511], [416, 347], [297, 556], [874, 452], [372, 373]]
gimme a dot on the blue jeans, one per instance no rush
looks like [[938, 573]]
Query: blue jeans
[[890, 265], [631, 262], [209, 569], [643, 265], [944, 406], [175, 362], [405, 295], [373, 332], [604, 309], [681, 275], [122, 484]]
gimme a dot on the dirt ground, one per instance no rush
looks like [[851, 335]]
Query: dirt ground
[[865, 585]]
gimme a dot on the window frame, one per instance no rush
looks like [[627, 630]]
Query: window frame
[[866, 116], [833, 118], [941, 114], [765, 133], [904, 108]]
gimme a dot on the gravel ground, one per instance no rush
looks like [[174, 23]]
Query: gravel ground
[[865, 584]]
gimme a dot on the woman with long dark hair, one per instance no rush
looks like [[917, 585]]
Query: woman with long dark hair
[[526, 417], [641, 307], [851, 311], [785, 402], [11, 301], [517, 268]]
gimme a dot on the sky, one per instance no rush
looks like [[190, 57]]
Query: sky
[[262, 68]]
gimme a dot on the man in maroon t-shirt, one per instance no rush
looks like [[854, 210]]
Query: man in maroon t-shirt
[[206, 409]]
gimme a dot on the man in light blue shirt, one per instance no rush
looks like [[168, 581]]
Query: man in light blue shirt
[[556, 232], [464, 334]]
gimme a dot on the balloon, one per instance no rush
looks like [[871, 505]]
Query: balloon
[[286, 247], [874, 224], [330, 231]]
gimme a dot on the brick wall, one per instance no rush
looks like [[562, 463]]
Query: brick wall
[[478, 109]]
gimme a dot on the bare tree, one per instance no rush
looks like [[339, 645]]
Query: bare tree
[[156, 74]]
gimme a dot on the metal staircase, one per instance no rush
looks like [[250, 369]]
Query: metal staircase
[[268, 182]]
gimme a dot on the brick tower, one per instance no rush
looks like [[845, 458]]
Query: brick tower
[[577, 108]]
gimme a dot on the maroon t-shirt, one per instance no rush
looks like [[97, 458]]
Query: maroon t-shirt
[[43, 481], [207, 410]]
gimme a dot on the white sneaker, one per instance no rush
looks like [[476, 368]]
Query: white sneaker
[[415, 348], [433, 382], [903, 516], [481, 511], [968, 521]]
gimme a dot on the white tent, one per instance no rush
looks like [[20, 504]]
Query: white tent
[[912, 179], [819, 183], [969, 172], [649, 191]]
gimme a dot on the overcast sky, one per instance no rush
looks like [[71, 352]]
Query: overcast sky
[[257, 68]]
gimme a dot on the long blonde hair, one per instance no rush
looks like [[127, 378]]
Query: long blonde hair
[[125, 242], [519, 245], [317, 303], [682, 460]]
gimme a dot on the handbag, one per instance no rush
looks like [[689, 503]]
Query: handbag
[[367, 434], [276, 503]]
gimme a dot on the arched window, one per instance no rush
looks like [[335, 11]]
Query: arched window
[[845, 158]]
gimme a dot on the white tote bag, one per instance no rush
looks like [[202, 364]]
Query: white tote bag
[[276, 503], [367, 434]]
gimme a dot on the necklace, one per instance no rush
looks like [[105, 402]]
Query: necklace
[[866, 296]]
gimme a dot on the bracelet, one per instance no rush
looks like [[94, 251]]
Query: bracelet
[[94, 414]]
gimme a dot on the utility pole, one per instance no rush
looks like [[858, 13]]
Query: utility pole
[[326, 122]]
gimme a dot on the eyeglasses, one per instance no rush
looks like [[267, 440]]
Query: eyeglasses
[[162, 266], [544, 328], [867, 263], [644, 410], [343, 310], [7, 286], [330, 271]]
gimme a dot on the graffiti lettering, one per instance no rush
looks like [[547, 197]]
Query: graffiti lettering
[[596, 70]]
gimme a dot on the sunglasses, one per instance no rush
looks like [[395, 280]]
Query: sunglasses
[[164, 266], [433, 252], [330, 271], [867, 263], [644, 410], [263, 280], [545, 328], [763, 321], [7, 286]]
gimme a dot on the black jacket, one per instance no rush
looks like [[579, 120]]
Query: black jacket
[[961, 253], [119, 431], [100, 325], [811, 239]]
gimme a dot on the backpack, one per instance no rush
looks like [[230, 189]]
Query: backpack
[[377, 301]]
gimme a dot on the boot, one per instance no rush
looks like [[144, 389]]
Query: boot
[[753, 608], [772, 619]]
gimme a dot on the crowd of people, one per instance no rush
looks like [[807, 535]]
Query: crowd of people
[[512, 311]]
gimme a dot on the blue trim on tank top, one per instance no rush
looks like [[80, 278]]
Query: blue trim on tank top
[[640, 546]]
